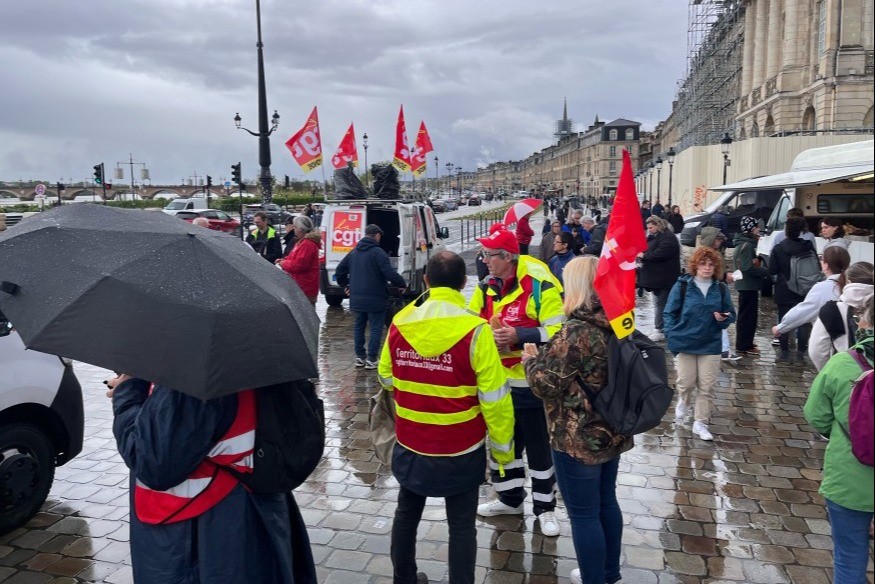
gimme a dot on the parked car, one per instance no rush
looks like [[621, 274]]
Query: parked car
[[177, 205], [450, 203], [219, 220], [42, 424], [474, 201], [735, 205], [276, 215]]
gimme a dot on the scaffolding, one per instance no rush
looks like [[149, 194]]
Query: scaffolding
[[708, 95]]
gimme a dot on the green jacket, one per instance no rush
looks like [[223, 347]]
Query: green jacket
[[745, 252], [846, 481]]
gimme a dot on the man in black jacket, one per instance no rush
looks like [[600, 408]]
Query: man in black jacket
[[596, 237], [364, 273], [264, 239], [660, 269]]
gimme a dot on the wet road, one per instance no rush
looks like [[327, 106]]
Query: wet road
[[744, 508]]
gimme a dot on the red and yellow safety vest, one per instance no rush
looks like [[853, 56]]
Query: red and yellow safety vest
[[208, 484]]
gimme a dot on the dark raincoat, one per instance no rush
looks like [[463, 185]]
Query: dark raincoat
[[245, 538]]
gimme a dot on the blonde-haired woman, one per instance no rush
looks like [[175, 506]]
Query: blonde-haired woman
[[586, 453]]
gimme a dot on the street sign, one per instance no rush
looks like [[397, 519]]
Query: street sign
[[40, 189], [41, 200], [227, 184]]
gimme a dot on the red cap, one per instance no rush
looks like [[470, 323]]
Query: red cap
[[495, 227], [501, 239]]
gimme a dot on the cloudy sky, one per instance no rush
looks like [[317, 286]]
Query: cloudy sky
[[161, 80]]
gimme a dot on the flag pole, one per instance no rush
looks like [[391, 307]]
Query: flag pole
[[324, 182]]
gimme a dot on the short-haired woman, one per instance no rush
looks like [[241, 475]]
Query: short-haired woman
[[303, 263], [660, 268], [586, 453], [847, 482], [699, 308]]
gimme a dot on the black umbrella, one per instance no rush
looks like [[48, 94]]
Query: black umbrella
[[148, 294]]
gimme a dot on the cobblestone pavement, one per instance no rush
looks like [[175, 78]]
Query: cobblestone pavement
[[744, 508]]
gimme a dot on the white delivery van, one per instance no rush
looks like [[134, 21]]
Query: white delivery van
[[411, 234], [193, 204], [835, 181], [41, 425]]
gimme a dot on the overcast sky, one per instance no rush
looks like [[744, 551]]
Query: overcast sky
[[97, 81]]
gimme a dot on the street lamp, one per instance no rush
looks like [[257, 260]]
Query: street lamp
[[658, 177], [449, 167], [725, 142], [437, 175], [650, 174], [669, 156], [264, 131], [365, 146]]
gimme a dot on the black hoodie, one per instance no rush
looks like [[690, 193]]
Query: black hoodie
[[779, 265]]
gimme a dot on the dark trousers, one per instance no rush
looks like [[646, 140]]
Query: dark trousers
[[530, 436], [748, 314], [461, 518], [660, 298], [802, 333], [377, 321]]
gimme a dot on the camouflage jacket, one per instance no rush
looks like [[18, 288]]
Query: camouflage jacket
[[579, 348]]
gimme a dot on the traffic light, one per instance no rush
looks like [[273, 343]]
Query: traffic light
[[287, 182], [209, 182], [235, 174], [98, 173]]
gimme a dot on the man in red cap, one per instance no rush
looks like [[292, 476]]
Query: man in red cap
[[521, 300]]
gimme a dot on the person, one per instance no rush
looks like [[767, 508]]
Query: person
[[201, 222], [309, 211], [779, 269], [577, 226], [698, 309], [364, 273], [833, 231], [834, 262], [586, 452], [264, 238], [675, 219], [716, 240], [833, 332], [597, 233], [192, 521], [524, 297], [303, 263], [546, 250], [660, 269], [781, 235], [442, 365], [719, 218], [749, 286], [847, 482], [645, 212], [563, 246], [290, 238], [657, 210], [524, 234]]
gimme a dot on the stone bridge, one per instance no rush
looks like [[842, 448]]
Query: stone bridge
[[27, 192]]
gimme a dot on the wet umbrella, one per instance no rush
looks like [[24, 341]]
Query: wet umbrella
[[147, 294], [520, 209]]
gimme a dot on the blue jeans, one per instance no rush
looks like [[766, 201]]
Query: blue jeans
[[377, 321], [589, 492], [850, 537]]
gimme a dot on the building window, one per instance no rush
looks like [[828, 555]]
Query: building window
[[821, 27], [613, 135], [630, 134], [612, 151], [612, 166]]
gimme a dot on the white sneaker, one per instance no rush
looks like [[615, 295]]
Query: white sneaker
[[700, 429], [575, 576], [370, 364], [496, 507], [680, 411], [549, 524], [656, 336], [359, 362]]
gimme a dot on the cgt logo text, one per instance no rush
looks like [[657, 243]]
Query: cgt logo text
[[347, 237]]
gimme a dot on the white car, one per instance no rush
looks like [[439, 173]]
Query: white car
[[193, 204], [42, 424]]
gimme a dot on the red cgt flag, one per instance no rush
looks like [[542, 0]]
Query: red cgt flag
[[615, 278], [347, 151], [420, 150], [306, 145], [402, 150]]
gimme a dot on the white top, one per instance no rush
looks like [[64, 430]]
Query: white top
[[807, 310]]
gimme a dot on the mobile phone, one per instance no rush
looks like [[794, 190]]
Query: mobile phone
[[725, 313]]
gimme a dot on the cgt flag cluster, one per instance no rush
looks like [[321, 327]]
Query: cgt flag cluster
[[306, 144], [624, 240], [421, 148], [347, 151]]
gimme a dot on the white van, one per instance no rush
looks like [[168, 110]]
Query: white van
[[835, 181], [41, 425], [411, 234], [193, 204]]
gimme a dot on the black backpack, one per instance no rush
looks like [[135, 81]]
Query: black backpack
[[637, 394], [289, 437]]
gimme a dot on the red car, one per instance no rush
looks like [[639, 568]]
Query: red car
[[219, 220]]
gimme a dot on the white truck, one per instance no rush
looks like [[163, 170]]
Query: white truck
[[411, 234], [193, 204], [835, 181]]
